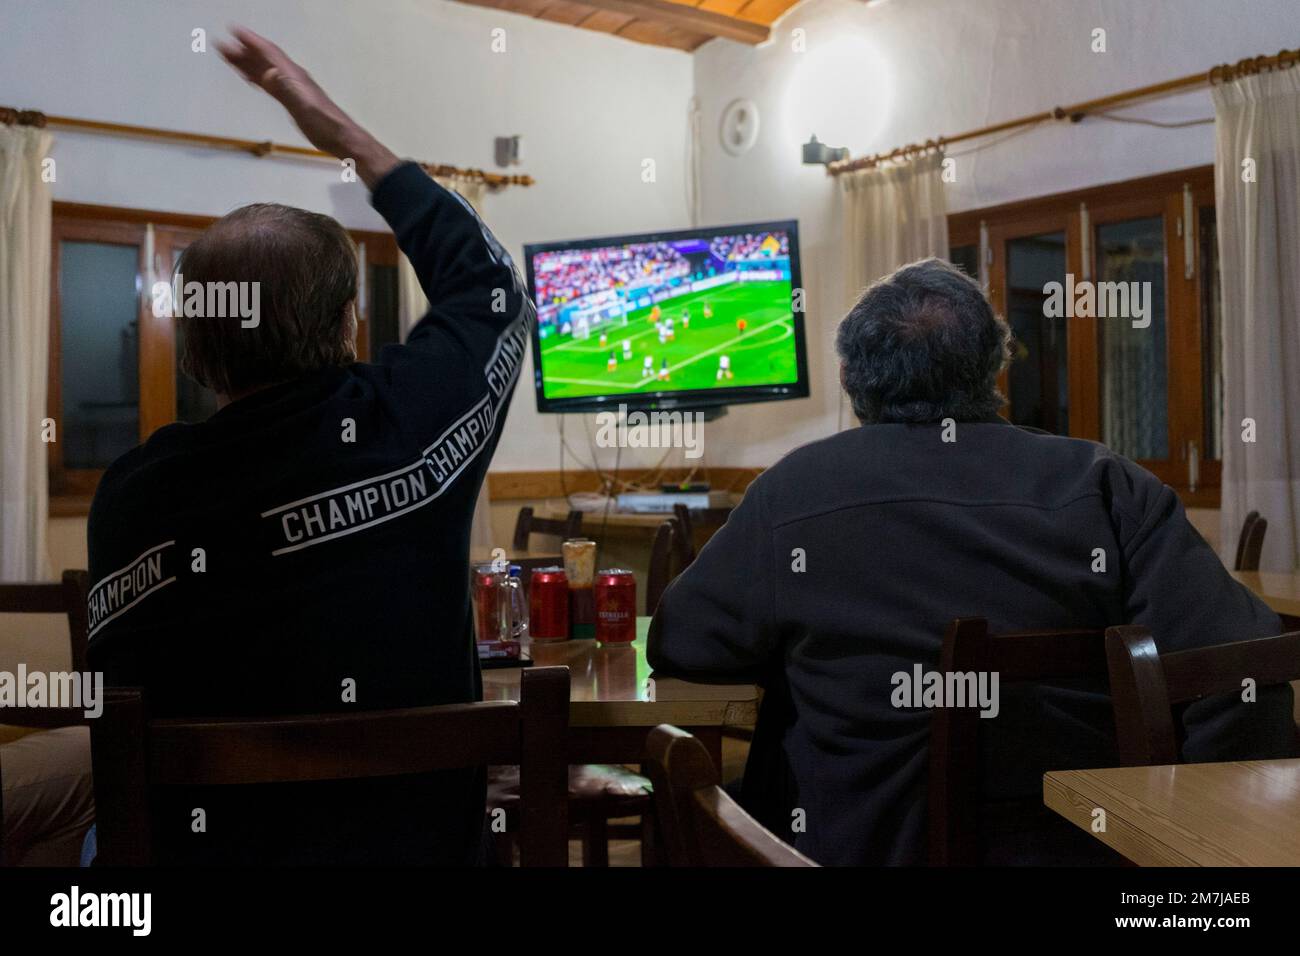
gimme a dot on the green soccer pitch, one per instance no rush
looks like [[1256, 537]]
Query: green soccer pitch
[[764, 354]]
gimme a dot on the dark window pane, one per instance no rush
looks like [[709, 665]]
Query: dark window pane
[[1211, 337], [383, 309], [194, 402], [967, 259], [1134, 370], [1038, 380], [99, 304]]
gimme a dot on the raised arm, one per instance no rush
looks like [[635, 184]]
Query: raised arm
[[326, 126], [477, 300]]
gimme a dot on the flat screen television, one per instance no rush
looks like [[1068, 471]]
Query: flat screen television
[[691, 319]]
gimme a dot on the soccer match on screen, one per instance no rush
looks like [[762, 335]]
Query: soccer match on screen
[[676, 315]]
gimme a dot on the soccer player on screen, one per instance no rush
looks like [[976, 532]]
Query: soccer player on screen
[[741, 324], [612, 363], [724, 367], [708, 311]]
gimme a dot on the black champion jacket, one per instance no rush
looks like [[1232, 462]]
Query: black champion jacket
[[305, 550]]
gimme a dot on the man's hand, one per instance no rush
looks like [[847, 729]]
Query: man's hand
[[326, 126]]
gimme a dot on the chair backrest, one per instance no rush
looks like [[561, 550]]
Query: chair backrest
[[686, 539], [662, 559], [132, 753], [710, 519], [1146, 685], [700, 824], [528, 524], [1251, 544], [66, 597], [968, 647], [1243, 538]]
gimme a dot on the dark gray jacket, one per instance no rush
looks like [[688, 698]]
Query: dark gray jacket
[[901, 532]]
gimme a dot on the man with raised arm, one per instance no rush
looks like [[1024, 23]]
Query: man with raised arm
[[306, 548]]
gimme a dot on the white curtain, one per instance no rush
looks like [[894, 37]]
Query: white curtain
[[411, 306], [893, 214], [1257, 192], [25, 210]]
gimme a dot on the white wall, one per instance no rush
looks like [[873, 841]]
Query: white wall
[[902, 71], [420, 74], [591, 107]]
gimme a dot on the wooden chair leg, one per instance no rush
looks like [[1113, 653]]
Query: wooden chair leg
[[504, 844], [595, 841], [649, 849]]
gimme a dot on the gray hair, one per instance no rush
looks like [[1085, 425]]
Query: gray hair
[[923, 345]]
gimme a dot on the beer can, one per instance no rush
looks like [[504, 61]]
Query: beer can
[[548, 605], [615, 606]]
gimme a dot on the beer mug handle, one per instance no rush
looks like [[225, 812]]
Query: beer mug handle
[[519, 611]]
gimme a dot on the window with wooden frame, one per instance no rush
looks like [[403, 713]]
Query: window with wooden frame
[[1151, 393], [114, 370]]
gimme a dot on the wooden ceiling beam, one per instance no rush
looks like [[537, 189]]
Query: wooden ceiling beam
[[690, 19]]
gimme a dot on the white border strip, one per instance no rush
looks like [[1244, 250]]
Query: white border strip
[[129, 565], [123, 610]]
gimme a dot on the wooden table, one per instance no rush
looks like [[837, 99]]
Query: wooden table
[[614, 699], [1208, 814], [1279, 590]]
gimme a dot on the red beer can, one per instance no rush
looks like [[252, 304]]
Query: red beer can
[[548, 605], [615, 606]]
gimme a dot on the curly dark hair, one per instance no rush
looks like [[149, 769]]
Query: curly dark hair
[[923, 345], [306, 268]]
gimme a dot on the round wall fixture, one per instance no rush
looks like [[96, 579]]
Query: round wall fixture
[[739, 127]]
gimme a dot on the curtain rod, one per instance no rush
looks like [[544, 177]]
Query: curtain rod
[[1077, 112], [11, 116]]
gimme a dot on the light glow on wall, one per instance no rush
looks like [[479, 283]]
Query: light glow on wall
[[841, 89]]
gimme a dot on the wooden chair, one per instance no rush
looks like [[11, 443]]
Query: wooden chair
[[700, 824], [529, 524], [133, 753], [596, 793], [955, 797], [704, 518], [1250, 543], [67, 597], [1146, 686], [36, 718], [663, 553]]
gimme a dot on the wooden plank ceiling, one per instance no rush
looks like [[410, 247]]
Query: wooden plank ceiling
[[680, 24]]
